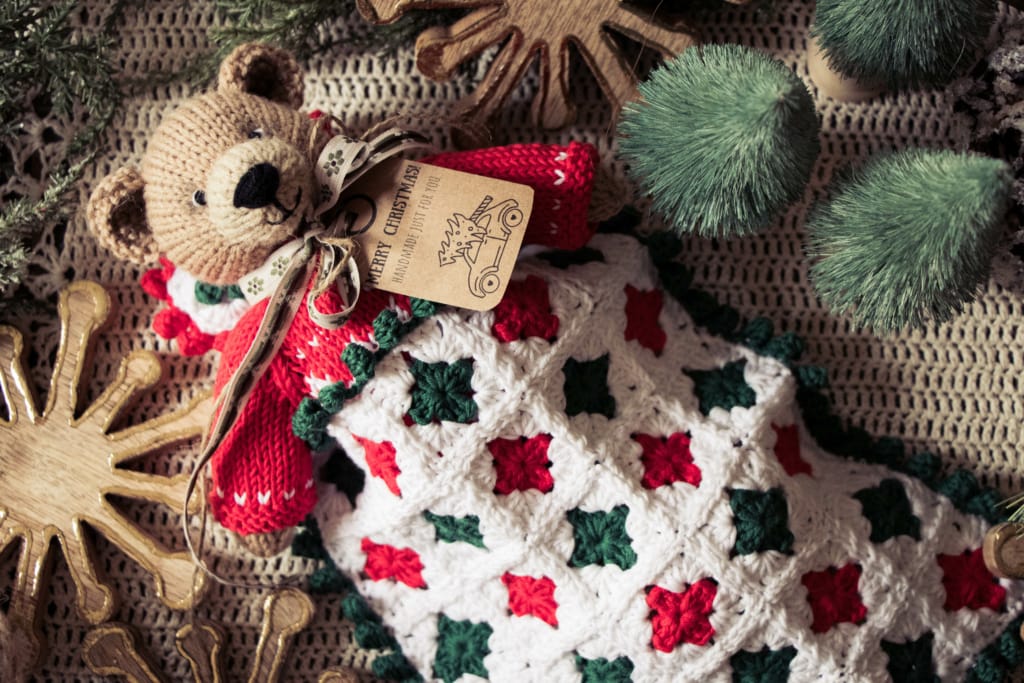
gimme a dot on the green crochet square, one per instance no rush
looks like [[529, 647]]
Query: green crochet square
[[762, 521], [723, 387], [601, 538], [888, 509], [442, 392], [586, 387], [461, 648], [763, 666]]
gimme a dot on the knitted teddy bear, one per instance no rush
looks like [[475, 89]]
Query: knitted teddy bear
[[226, 180]]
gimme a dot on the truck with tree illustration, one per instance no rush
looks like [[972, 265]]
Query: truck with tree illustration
[[479, 241]]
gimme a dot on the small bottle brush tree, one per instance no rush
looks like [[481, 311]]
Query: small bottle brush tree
[[881, 43], [909, 236], [723, 138]]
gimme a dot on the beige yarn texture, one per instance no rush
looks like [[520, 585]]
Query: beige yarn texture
[[953, 389]]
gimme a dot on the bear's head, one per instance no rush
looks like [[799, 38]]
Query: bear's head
[[226, 178]]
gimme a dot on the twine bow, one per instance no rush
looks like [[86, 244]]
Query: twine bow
[[325, 253]]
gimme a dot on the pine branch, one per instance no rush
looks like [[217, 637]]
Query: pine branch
[[13, 262], [21, 218], [298, 26], [39, 46], [68, 70], [1015, 504]]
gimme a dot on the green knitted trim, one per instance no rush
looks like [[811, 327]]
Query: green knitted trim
[[309, 422], [1000, 656], [370, 631], [961, 487]]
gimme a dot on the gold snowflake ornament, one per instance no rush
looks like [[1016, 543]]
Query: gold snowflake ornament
[[57, 470], [531, 29], [112, 649]]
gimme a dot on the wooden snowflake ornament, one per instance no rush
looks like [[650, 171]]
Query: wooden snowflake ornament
[[112, 650], [529, 30], [57, 470]]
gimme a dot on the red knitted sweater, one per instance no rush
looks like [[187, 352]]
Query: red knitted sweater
[[262, 473]]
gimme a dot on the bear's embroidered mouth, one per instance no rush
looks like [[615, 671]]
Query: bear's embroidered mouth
[[286, 213]]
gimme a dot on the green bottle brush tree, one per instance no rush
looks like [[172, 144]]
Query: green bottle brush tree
[[864, 46], [724, 138], [908, 237]]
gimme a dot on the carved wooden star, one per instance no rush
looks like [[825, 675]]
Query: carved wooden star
[[532, 30]]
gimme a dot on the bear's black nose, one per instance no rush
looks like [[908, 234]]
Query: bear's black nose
[[257, 187]]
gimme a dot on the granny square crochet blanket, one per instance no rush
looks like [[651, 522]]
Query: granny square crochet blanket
[[583, 484]]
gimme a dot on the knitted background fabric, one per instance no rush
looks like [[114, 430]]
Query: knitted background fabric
[[952, 389], [614, 486]]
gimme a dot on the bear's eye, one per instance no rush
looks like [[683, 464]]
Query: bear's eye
[[198, 198], [255, 133]]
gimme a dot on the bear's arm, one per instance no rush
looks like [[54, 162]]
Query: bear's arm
[[262, 474], [562, 178]]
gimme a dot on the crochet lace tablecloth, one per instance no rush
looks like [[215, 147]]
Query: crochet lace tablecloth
[[952, 389]]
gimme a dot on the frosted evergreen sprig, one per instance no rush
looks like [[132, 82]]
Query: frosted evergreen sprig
[[39, 47], [902, 44], [908, 237], [65, 68], [298, 26], [723, 139], [295, 26], [23, 220]]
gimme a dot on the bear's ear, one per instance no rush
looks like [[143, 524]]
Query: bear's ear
[[116, 215], [262, 70]]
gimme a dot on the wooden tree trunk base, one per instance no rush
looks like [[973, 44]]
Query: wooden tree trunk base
[[832, 84]]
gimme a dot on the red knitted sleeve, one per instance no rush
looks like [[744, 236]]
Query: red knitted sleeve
[[262, 473], [562, 177]]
